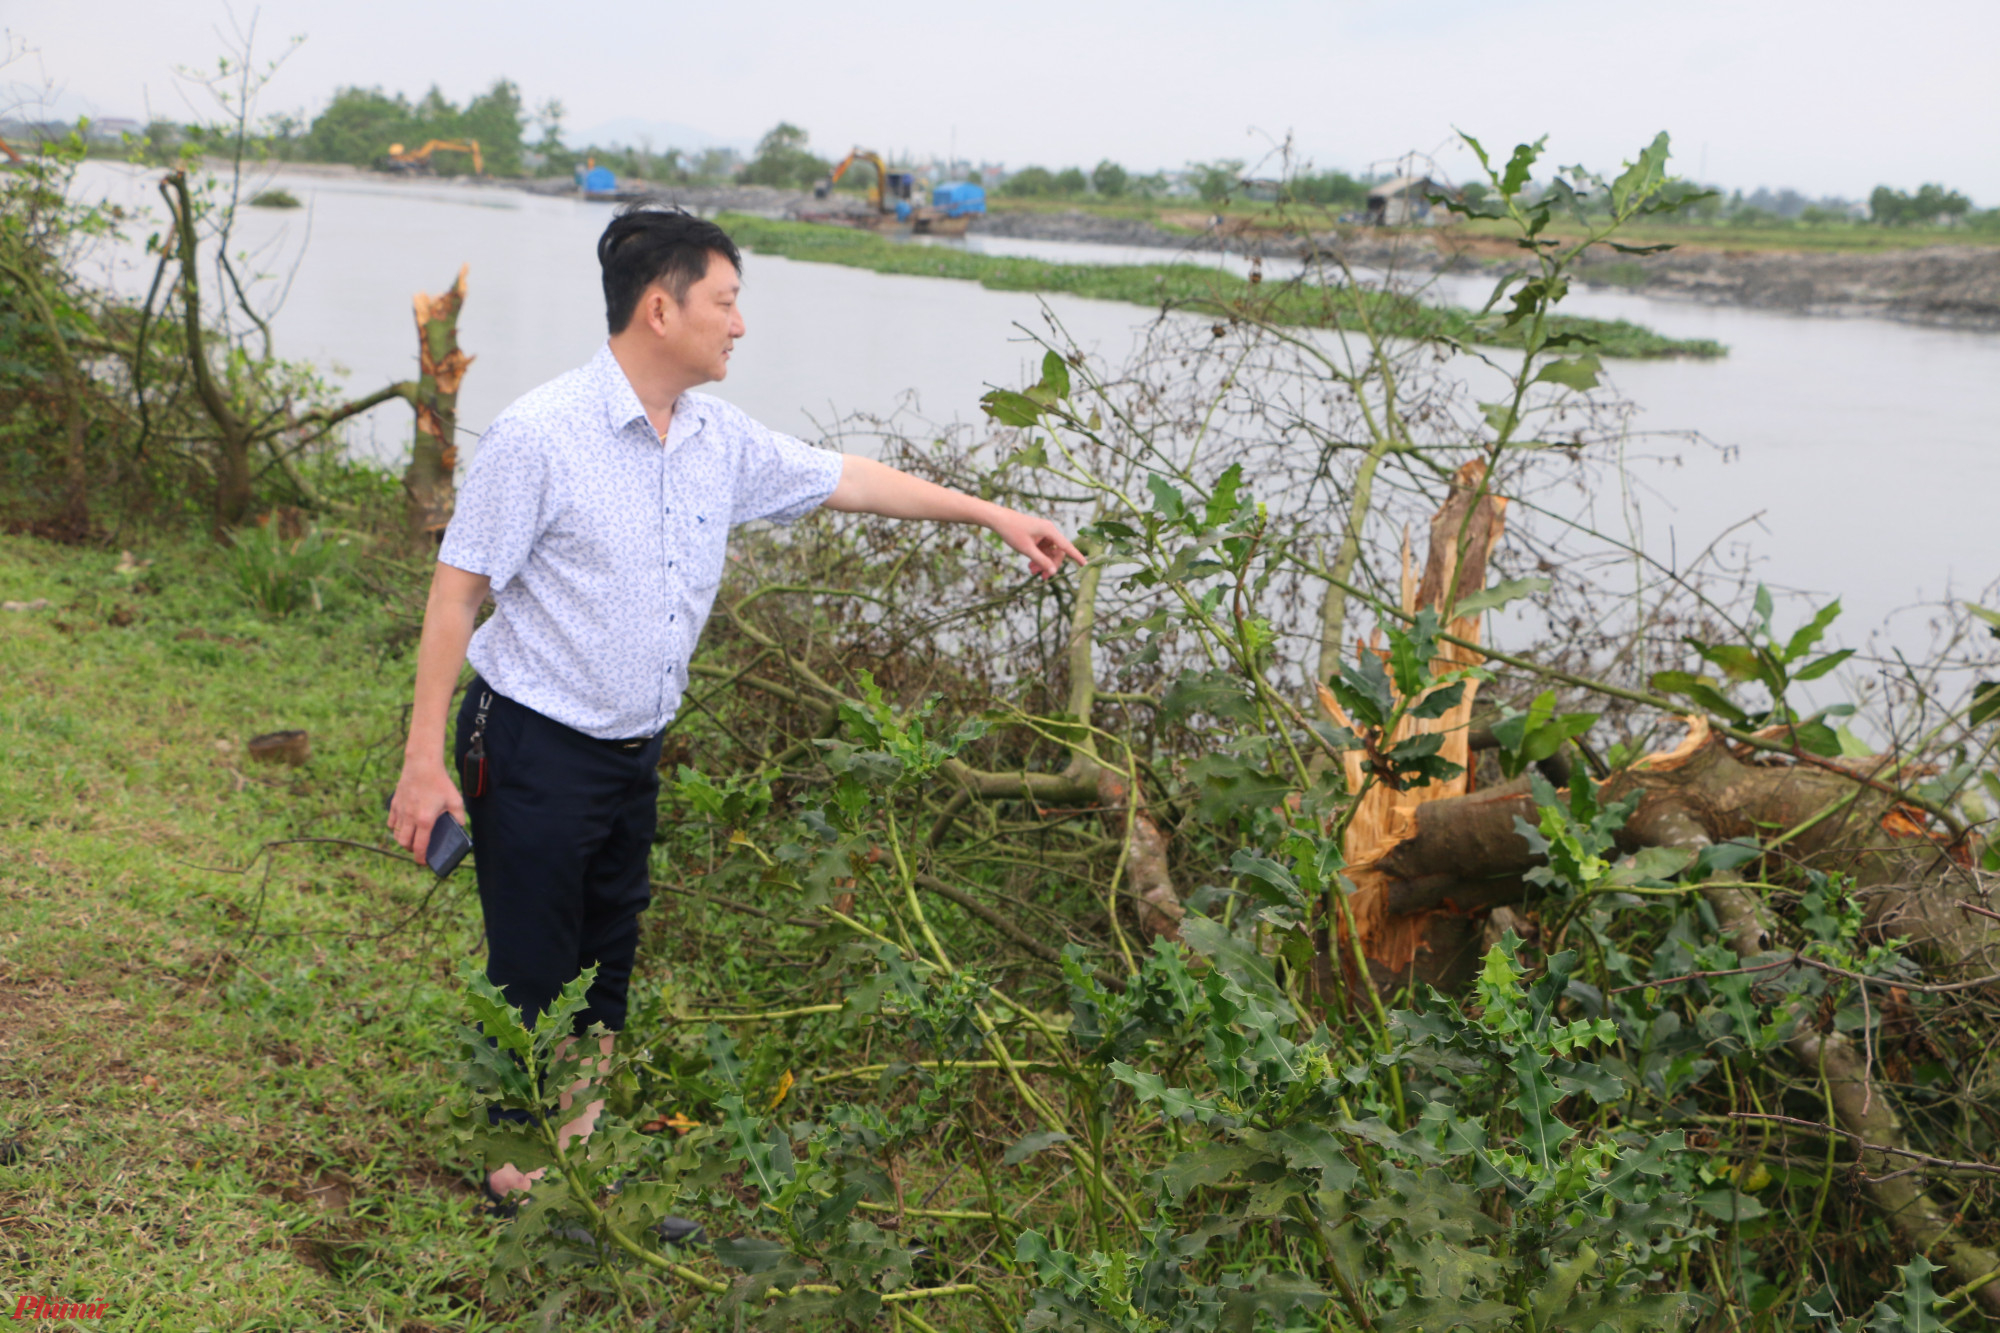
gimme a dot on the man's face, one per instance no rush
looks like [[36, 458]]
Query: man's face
[[699, 332]]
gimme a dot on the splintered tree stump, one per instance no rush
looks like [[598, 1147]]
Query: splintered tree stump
[[1436, 942], [1431, 864], [433, 451], [1459, 858], [281, 747]]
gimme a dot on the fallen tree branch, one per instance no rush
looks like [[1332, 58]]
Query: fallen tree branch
[[1665, 705], [730, 904], [1870, 1121], [1013, 932], [1800, 960], [1943, 1163]]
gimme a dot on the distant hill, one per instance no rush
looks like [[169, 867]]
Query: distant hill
[[660, 135]]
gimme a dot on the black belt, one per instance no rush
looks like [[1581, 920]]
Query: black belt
[[632, 746]]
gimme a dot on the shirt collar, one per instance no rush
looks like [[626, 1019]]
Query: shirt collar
[[622, 407]]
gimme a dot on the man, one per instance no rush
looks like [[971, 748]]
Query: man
[[595, 515]]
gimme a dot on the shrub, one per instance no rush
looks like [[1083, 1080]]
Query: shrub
[[1030, 183], [785, 159], [279, 576]]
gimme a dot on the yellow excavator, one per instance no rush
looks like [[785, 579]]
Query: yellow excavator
[[8, 149], [889, 185], [895, 200], [420, 160]]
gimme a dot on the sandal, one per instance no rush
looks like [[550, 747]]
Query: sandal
[[495, 1206]]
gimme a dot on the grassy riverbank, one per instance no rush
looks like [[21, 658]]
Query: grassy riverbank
[[217, 1080], [1194, 287], [215, 1067]]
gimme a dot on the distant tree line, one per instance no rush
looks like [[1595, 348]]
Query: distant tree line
[[1215, 182], [785, 159], [360, 124], [1929, 206]]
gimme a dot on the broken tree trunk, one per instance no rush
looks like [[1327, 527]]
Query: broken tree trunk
[[1143, 872], [1460, 858], [1463, 533], [233, 480], [1699, 790], [1428, 864], [441, 368]]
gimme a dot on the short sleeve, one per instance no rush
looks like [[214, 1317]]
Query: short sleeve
[[779, 478], [502, 507]]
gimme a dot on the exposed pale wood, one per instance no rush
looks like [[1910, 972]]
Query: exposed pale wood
[[1462, 536], [441, 369], [1159, 909]]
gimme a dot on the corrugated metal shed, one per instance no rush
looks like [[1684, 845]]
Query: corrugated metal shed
[[1405, 202]]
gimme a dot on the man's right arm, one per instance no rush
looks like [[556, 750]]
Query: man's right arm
[[426, 789]]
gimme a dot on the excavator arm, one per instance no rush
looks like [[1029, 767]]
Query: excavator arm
[[397, 155], [877, 193], [8, 149]]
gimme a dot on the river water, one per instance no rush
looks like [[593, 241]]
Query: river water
[[1866, 451]]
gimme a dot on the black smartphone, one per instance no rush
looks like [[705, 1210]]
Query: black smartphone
[[448, 845]]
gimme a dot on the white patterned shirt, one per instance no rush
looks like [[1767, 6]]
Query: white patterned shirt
[[605, 545]]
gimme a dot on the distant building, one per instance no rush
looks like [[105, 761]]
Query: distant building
[[113, 129], [1405, 202]]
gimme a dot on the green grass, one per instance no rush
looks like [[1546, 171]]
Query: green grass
[[218, 1080], [1196, 287], [219, 1129]]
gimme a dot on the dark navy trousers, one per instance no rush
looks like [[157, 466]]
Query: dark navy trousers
[[560, 845]]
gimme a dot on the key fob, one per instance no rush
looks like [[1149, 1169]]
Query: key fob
[[472, 775]]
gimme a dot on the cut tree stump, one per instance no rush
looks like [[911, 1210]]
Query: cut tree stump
[[441, 368], [1434, 943], [281, 747]]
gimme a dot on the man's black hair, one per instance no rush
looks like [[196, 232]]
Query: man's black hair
[[669, 246]]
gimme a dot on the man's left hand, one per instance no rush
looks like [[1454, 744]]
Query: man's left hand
[[1038, 539]]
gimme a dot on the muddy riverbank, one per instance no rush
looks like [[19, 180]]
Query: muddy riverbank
[[1954, 286]]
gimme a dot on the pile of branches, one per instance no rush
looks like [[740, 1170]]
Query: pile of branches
[[1795, 930]]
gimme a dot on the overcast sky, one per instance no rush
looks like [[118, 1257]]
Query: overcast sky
[[1826, 96]]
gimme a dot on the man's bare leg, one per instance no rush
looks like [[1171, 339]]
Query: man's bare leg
[[510, 1179]]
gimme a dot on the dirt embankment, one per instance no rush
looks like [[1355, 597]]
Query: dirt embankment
[[1952, 285]]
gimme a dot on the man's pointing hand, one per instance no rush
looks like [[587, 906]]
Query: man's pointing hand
[[1037, 538]]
